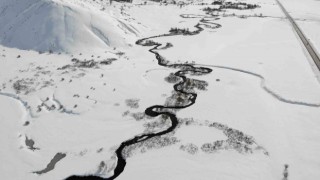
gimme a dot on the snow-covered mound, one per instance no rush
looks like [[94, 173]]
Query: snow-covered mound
[[63, 25]]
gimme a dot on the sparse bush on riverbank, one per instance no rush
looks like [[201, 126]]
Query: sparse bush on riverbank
[[159, 124], [172, 78], [191, 84], [167, 46], [217, 2], [152, 143], [237, 140], [210, 10], [177, 99], [238, 5], [149, 43], [189, 148], [86, 63], [177, 31], [133, 103]]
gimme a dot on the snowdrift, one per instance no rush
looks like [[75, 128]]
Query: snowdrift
[[62, 26]]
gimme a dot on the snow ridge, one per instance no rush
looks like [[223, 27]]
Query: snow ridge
[[62, 26]]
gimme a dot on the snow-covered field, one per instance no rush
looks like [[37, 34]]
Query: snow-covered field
[[307, 15], [74, 86]]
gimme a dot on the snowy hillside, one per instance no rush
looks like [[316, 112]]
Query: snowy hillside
[[63, 25]]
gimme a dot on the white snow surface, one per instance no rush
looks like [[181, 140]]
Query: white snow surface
[[261, 84], [307, 15], [63, 26]]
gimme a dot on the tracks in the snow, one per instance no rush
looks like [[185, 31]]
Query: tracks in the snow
[[266, 88]]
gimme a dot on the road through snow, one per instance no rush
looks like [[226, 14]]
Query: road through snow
[[313, 53]]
